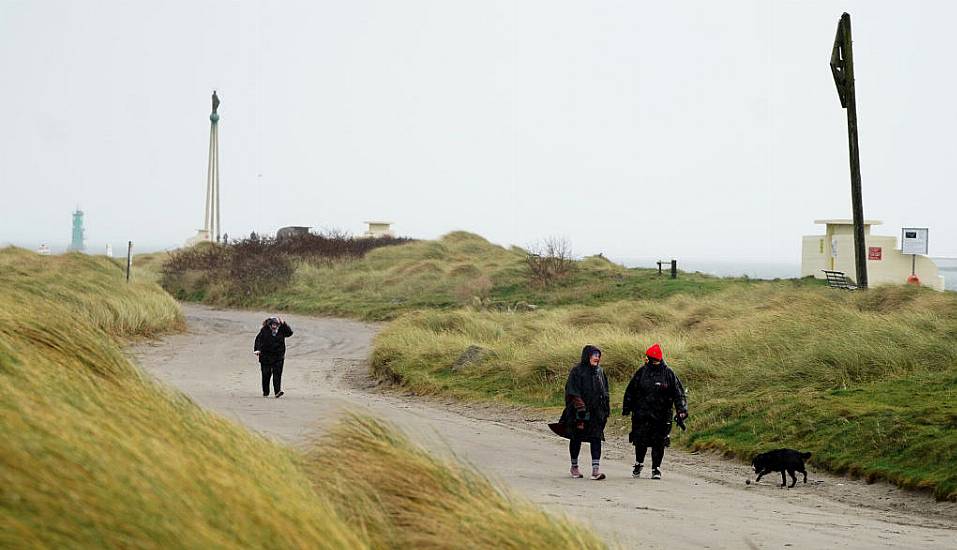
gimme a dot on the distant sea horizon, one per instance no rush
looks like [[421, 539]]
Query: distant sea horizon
[[95, 248], [754, 269], [765, 270]]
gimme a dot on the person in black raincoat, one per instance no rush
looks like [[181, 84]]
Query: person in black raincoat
[[586, 409], [270, 347], [649, 398]]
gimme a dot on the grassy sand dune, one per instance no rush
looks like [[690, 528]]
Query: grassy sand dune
[[94, 454], [867, 381], [457, 270]]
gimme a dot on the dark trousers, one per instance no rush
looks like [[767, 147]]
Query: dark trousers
[[657, 455], [650, 433], [575, 447], [273, 370]]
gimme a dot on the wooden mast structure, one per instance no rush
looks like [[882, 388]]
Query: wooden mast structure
[[842, 67]]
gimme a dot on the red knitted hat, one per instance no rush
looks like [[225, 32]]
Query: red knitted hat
[[654, 352]]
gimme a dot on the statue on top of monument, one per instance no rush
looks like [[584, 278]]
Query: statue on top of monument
[[215, 101]]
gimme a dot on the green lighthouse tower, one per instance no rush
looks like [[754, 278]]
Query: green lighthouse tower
[[76, 245]]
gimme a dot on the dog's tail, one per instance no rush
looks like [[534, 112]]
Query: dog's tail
[[805, 456]]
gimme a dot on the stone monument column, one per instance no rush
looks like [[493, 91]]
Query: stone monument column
[[211, 222]]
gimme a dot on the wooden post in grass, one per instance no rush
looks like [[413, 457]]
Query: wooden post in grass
[[129, 259], [842, 67], [674, 269]]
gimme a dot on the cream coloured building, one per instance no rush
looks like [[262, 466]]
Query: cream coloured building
[[379, 229], [886, 265]]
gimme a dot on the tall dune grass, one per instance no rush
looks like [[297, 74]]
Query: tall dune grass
[[867, 380], [400, 496], [91, 287], [94, 454]]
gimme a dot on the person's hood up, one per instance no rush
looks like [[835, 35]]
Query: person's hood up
[[268, 325], [587, 352]]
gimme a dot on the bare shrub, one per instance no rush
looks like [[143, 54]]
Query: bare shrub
[[259, 264], [550, 260]]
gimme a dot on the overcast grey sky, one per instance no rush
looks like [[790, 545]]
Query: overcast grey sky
[[686, 129]]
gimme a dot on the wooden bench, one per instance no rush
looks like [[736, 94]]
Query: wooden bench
[[837, 279]]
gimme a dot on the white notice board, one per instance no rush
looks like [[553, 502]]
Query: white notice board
[[914, 240]]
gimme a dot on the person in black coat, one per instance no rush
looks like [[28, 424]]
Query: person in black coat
[[649, 398], [270, 347], [586, 409]]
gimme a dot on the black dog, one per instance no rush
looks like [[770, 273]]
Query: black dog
[[781, 460]]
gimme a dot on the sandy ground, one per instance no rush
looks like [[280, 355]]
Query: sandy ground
[[702, 502]]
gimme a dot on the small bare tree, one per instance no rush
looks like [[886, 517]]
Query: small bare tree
[[550, 260]]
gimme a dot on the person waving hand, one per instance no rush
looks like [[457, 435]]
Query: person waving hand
[[270, 347]]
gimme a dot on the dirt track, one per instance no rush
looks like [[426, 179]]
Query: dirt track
[[702, 502]]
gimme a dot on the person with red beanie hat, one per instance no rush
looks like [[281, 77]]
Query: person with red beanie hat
[[653, 391]]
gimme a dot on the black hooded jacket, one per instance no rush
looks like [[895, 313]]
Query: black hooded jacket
[[586, 390], [652, 392], [272, 349]]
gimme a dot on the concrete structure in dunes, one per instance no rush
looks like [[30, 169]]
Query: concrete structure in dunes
[[379, 229], [886, 264], [292, 231]]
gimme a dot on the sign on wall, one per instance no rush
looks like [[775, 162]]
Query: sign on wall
[[874, 253], [914, 240]]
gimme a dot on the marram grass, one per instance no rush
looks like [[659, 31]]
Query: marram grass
[[867, 381], [94, 454], [401, 496]]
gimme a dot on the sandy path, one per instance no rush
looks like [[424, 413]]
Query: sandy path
[[701, 503]]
